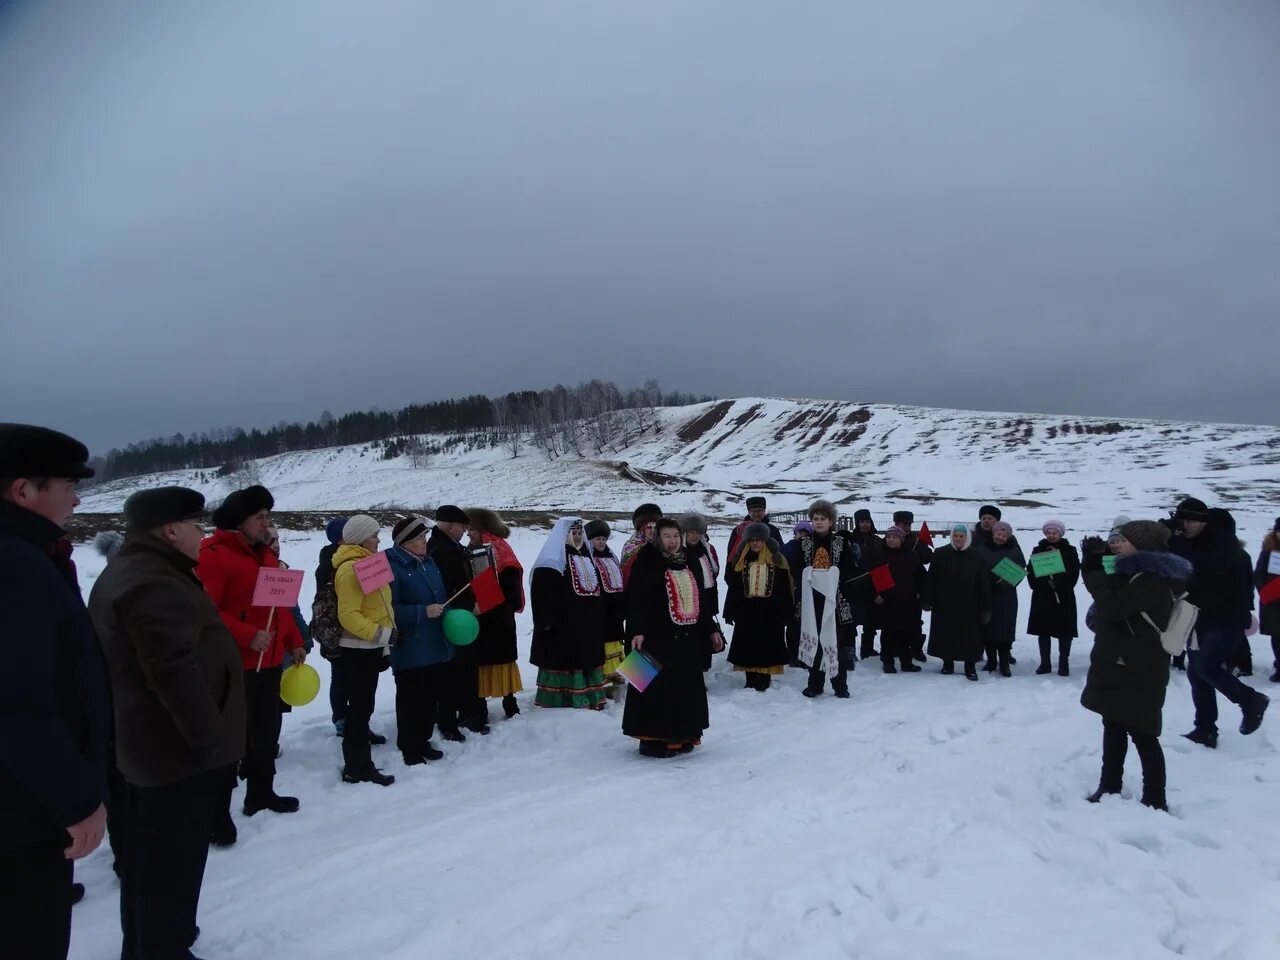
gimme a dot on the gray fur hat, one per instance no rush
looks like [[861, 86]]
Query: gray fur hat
[[693, 521], [756, 531], [825, 507]]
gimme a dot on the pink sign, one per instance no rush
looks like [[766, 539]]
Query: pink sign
[[277, 587], [373, 572]]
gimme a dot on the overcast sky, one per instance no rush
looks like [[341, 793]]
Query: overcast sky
[[239, 212]]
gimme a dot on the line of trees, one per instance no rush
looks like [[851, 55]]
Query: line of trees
[[593, 417]]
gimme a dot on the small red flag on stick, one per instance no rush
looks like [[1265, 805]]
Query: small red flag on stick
[[486, 590], [925, 536], [882, 578]]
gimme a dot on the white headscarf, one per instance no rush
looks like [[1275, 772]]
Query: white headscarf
[[552, 555]]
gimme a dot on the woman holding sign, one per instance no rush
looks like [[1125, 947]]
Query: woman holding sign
[[759, 604], [368, 628], [1003, 557], [1053, 573], [668, 622], [568, 621]]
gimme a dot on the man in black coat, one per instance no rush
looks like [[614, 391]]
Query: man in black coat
[[463, 704], [179, 699], [757, 512], [1223, 592], [54, 695], [924, 550]]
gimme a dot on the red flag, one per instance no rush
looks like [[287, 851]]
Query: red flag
[[924, 535], [1270, 593], [488, 593], [882, 578]]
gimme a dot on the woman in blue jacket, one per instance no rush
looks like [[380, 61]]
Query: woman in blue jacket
[[421, 652]]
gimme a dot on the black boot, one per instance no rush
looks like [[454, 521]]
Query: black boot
[[1102, 791], [1206, 738], [509, 705], [1064, 657], [764, 683], [224, 830], [1253, 711], [1046, 652], [368, 775], [272, 801], [971, 669], [948, 666], [1005, 660], [653, 748], [990, 666], [908, 666], [889, 667]]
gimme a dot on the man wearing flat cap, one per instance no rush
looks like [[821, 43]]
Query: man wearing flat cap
[[54, 697], [461, 704], [179, 700], [230, 561]]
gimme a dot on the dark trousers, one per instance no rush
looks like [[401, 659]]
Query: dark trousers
[[165, 852], [262, 735], [35, 901], [1207, 672], [1115, 745], [337, 690], [1242, 658], [117, 810], [818, 679], [362, 668], [461, 702], [868, 641], [896, 645], [418, 693]]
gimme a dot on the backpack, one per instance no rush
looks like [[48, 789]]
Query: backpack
[[325, 628], [1182, 624]]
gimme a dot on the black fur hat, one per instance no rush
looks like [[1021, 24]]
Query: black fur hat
[[904, 516], [990, 509], [240, 505], [148, 509], [644, 513], [597, 528], [757, 502]]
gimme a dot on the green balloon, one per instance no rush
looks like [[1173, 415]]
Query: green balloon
[[299, 685], [461, 627]]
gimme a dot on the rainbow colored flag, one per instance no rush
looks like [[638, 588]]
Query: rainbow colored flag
[[639, 669]]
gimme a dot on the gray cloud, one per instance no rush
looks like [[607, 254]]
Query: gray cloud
[[238, 213]]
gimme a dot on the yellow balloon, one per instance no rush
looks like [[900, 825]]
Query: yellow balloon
[[299, 685]]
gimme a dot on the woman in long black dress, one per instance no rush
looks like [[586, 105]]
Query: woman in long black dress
[[759, 604], [568, 621], [668, 622], [958, 592]]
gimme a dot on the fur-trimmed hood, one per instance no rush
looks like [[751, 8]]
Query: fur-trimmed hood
[[1159, 563], [108, 543], [488, 521]]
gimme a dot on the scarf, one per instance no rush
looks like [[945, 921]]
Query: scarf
[[812, 634], [504, 558]]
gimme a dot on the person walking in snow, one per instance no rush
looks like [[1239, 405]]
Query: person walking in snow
[[829, 564], [496, 654], [898, 609], [420, 658], [757, 512], [568, 620], [1002, 628], [667, 621], [1269, 613], [609, 569], [958, 592], [703, 560], [871, 547], [759, 604], [1223, 593], [1053, 599], [230, 561], [368, 631], [1128, 666]]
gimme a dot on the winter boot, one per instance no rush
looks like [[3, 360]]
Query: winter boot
[[270, 801], [1155, 803], [369, 775], [509, 705], [224, 830], [889, 667], [454, 735], [1045, 655], [1005, 660], [908, 666], [971, 669], [1206, 738], [990, 666], [917, 650], [1102, 791], [1253, 711], [948, 666], [653, 748], [376, 739]]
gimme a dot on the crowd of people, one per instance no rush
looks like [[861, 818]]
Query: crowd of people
[[138, 714]]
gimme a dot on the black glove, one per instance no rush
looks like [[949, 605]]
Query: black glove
[[1092, 545]]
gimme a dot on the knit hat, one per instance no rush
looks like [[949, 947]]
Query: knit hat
[[644, 513], [757, 502], [333, 529], [410, 528], [1007, 528], [805, 526], [597, 528], [1117, 523], [904, 516], [695, 522], [359, 529], [448, 513], [29, 451], [824, 507], [757, 531], [240, 505], [988, 508], [1190, 509], [895, 531], [148, 509], [1054, 525], [1146, 534]]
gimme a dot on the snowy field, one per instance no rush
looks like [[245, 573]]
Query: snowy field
[[925, 818]]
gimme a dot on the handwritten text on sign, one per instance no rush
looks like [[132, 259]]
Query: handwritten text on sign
[[373, 572], [277, 587]]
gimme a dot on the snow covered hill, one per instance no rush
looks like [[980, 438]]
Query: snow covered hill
[[943, 463]]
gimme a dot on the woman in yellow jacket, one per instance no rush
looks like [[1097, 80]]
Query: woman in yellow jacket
[[368, 629]]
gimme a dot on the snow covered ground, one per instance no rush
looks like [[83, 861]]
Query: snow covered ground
[[925, 818]]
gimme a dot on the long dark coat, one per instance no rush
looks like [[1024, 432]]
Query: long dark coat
[[568, 629], [496, 643], [1053, 598], [759, 623], [615, 610], [674, 706], [1128, 668], [177, 681], [1269, 615], [862, 593], [900, 610], [1003, 627], [710, 582], [958, 591]]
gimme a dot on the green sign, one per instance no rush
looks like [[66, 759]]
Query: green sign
[[1108, 563], [1009, 571], [1047, 563]]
